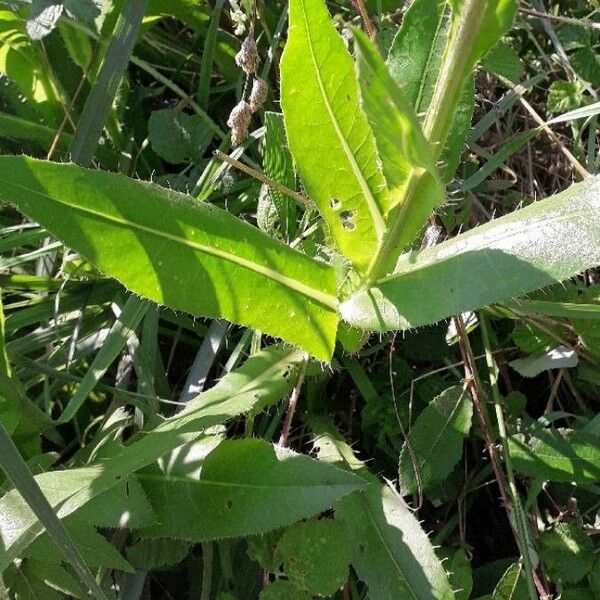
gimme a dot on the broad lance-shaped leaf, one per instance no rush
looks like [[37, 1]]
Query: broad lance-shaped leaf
[[263, 379], [436, 440], [405, 155], [245, 487], [168, 247], [547, 242], [390, 551], [328, 134]]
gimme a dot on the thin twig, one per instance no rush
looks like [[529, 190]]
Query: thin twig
[[570, 157], [361, 9], [299, 198], [560, 19], [293, 401], [521, 522]]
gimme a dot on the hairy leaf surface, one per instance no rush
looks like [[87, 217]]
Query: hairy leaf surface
[[435, 440], [264, 378], [167, 247], [537, 246], [246, 487], [404, 153], [319, 97], [390, 551]]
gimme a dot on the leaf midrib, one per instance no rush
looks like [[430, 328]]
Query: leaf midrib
[[378, 219], [293, 284]]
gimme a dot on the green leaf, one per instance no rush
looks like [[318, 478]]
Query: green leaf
[[301, 550], [283, 590], [512, 586], [565, 96], [264, 378], [32, 499], [435, 440], [34, 580], [319, 97], [245, 487], [567, 553], [177, 136], [557, 455], [151, 554], [416, 52], [390, 551], [505, 62], [169, 248], [404, 153], [545, 243], [276, 212]]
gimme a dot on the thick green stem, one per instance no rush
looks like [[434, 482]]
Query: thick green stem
[[521, 522], [455, 69]]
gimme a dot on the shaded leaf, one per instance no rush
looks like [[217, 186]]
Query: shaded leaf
[[177, 136], [246, 487], [150, 554], [301, 550], [557, 455], [567, 552], [436, 440]]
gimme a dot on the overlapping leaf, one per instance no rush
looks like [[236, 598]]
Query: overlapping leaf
[[189, 256], [264, 378], [545, 243]]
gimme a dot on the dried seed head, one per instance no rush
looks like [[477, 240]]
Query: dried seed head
[[258, 95], [239, 122], [247, 58]]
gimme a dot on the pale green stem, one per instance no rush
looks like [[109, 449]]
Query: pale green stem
[[521, 522], [446, 95]]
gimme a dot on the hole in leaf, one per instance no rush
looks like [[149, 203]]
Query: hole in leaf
[[229, 503], [347, 216], [335, 204]]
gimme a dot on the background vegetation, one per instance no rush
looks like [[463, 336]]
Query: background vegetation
[[283, 477]]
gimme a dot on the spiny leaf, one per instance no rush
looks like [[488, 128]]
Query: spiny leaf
[[169, 248], [404, 153], [390, 551], [246, 487], [266, 376], [435, 440], [323, 119], [545, 243]]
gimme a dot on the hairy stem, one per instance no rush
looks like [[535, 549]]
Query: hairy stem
[[446, 94]]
